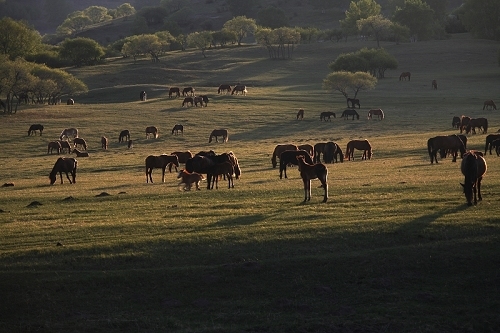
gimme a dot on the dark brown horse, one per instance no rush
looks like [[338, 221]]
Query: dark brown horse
[[104, 142], [124, 135], [450, 143], [188, 91], [326, 115], [309, 171], [160, 161], [178, 128], [239, 89], [489, 104], [434, 84], [300, 114], [187, 101], [182, 156], [202, 165], [279, 149], [363, 145], [151, 130], [455, 122], [481, 123], [80, 142], [473, 167], [35, 127], [218, 132], [489, 139], [464, 121], [224, 88], [65, 145], [350, 112], [54, 145], [290, 157], [143, 96], [354, 102], [405, 75], [174, 92], [307, 147], [66, 165], [376, 112], [225, 169]]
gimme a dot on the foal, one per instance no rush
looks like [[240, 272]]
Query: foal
[[313, 171]]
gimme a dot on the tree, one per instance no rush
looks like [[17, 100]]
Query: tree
[[360, 9], [222, 37], [272, 17], [399, 32], [201, 40], [376, 24], [374, 61], [155, 16], [241, 7], [151, 44], [418, 17], [125, 9], [74, 24], [15, 80], [344, 82], [481, 18], [97, 14], [308, 34], [56, 83], [241, 26], [81, 51], [17, 39], [279, 42], [349, 62]]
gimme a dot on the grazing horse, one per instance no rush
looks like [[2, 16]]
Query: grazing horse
[[188, 90], [218, 132], [434, 84], [309, 171], [307, 147], [290, 157], [160, 161], [152, 130], [187, 101], [279, 149], [376, 112], [54, 145], [496, 144], [35, 127], [236, 165], [464, 121], [319, 149], [178, 128], [450, 143], [354, 102], [80, 153], [143, 96], [204, 98], [455, 122], [349, 112], [405, 75], [239, 89], [182, 156], [473, 167], [300, 114], [198, 100], [329, 152], [224, 88], [189, 178], [489, 104], [66, 165], [66, 133], [65, 145], [70, 101], [363, 145], [124, 135], [225, 169], [489, 140], [104, 142], [481, 123], [81, 142], [326, 115], [174, 91]]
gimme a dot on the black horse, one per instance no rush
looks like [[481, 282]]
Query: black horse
[[350, 112], [473, 167], [354, 102], [35, 127], [66, 165], [290, 157], [125, 134]]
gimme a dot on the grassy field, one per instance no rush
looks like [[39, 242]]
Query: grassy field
[[395, 249]]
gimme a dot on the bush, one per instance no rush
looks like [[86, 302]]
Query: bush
[[49, 58]]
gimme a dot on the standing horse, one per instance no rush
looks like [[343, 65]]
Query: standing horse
[[489, 139], [354, 102], [124, 135], [363, 145], [224, 88], [455, 122], [178, 128], [489, 104], [309, 171], [160, 161], [174, 92], [182, 156], [405, 75], [104, 142], [54, 145], [66, 165], [188, 91], [350, 112], [473, 167], [201, 165], [450, 143], [289, 157], [66, 133], [326, 115], [70, 101], [35, 127], [187, 101], [434, 84], [278, 150], [481, 123], [143, 96], [225, 169], [65, 145], [300, 114], [464, 121], [376, 112], [151, 130], [218, 132], [307, 147], [239, 89]]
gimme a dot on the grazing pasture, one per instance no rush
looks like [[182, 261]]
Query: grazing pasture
[[395, 248]]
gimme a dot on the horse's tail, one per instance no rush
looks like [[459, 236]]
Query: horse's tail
[[430, 143], [485, 126]]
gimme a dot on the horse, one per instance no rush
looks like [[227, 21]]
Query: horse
[[218, 132], [225, 169], [376, 112], [66, 133], [104, 142], [445, 152], [300, 114], [65, 145], [189, 178], [160, 161], [182, 156], [354, 102], [35, 127], [489, 139], [349, 112], [278, 150], [290, 157], [198, 100], [405, 75], [239, 88], [203, 165], [204, 98], [224, 88], [464, 121], [326, 115], [70, 101], [143, 96], [489, 104], [477, 122], [451, 143], [434, 84], [188, 90], [174, 91], [81, 142], [236, 165], [54, 145], [363, 145], [187, 101], [473, 167], [80, 153], [178, 128], [307, 147], [309, 171], [152, 130], [66, 165], [455, 122], [125, 134]]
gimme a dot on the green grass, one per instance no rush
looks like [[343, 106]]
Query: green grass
[[395, 249]]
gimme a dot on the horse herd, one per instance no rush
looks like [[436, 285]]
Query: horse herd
[[327, 115]]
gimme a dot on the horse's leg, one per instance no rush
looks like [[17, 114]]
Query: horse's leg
[[307, 189], [323, 180], [60, 175], [209, 179], [479, 189], [163, 173]]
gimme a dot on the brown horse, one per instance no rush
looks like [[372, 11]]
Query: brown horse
[[363, 145], [455, 122], [151, 130], [450, 143], [54, 145], [224, 88], [376, 112], [489, 140], [188, 91], [80, 153], [66, 165], [309, 171], [239, 89], [289, 157], [350, 112], [473, 167], [218, 132], [35, 127], [187, 101], [143, 96], [481, 123], [182, 156], [300, 114], [464, 121], [104, 142], [225, 169], [354, 102], [198, 100], [178, 128], [434, 84], [190, 178], [174, 92], [331, 153], [160, 161], [65, 145], [326, 115], [405, 75], [489, 104], [278, 150], [125, 134], [80, 142], [307, 147]]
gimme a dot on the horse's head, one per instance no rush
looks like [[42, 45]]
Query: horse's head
[[52, 178]]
